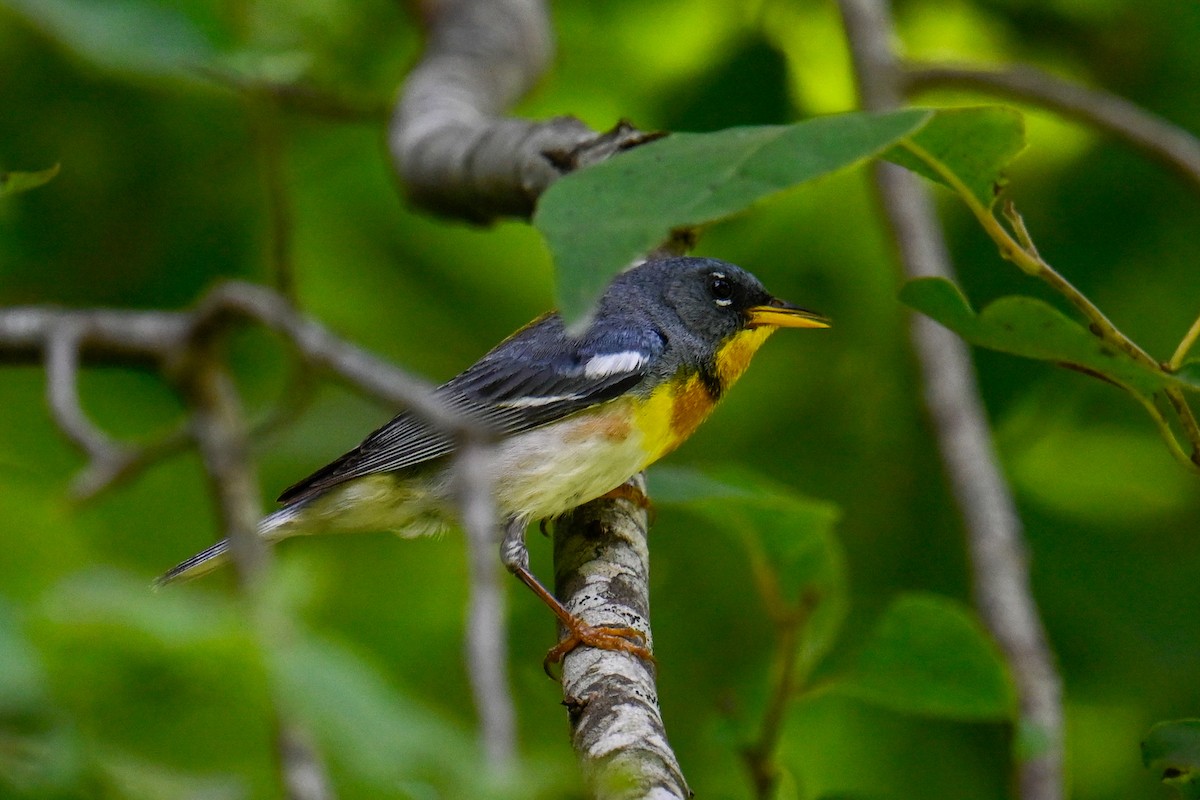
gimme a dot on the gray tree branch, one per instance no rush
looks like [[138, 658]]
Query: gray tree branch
[[602, 567], [994, 536], [183, 344], [1171, 145], [459, 156], [454, 151]]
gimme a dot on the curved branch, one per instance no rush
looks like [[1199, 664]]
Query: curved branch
[[1169, 144], [65, 338], [994, 535], [454, 152]]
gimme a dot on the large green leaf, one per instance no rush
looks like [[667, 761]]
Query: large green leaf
[[930, 655], [598, 220], [1028, 327], [1172, 750], [23, 685], [362, 721], [124, 36], [975, 144], [789, 537]]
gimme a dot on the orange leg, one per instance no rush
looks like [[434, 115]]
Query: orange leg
[[623, 639]]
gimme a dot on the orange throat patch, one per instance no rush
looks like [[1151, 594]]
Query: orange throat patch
[[674, 412]]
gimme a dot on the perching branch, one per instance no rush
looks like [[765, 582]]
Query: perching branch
[[457, 156], [994, 536], [601, 569]]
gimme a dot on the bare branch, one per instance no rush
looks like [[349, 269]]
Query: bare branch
[[994, 534], [1173, 146], [602, 567], [222, 436], [456, 155], [62, 396], [64, 338], [487, 650]]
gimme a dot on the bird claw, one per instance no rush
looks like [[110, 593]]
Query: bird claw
[[633, 494], [618, 639]]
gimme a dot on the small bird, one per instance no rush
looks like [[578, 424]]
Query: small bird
[[576, 416]]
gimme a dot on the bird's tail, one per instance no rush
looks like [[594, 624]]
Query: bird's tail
[[272, 528], [200, 564]]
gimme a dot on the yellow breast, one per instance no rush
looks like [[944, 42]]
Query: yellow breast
[[673, 412]]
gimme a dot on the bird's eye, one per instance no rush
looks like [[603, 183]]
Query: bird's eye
[[721, 289]]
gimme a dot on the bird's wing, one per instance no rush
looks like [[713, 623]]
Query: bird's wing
[[536, 376]]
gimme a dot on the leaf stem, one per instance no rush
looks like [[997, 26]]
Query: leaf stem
[[1187, 419], [1185, 345], [1168, 435], [790, 625], [1026, 257]]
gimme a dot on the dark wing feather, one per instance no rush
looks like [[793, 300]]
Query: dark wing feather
[[536, 376]]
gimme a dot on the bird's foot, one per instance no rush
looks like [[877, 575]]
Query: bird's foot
[[619, 639], [630, 492]]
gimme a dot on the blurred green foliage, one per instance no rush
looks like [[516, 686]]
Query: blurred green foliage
[[107, 690]]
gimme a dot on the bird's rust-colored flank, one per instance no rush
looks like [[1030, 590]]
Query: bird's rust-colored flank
[[612, 426]]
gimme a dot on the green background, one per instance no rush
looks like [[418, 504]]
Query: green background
[[109, 691]]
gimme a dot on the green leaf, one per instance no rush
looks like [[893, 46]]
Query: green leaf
[[23, 685], [1189, 374], [598, 220], [362, 721], [175, 617], [1172, 751], [975, 144], [790, 539], [930, 655], [1067, 468], [786, 786], [125, 36], [1025, 326], [17, 182], [136, 779]]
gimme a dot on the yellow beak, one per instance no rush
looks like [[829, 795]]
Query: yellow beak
[[782, 314]]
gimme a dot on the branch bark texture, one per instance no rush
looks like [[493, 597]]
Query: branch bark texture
[[994, 535], [459, 156], [602, 568], [455, 152]]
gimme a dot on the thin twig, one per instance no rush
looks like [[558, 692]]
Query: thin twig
[[487, 650], [790, 623], [1185, 345], [995, 541], [28, 334], [1191, 430], [101, 475], [62, 396], [222, 437], [1170, 144]]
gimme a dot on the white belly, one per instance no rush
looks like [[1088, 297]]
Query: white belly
[[550, 470]]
